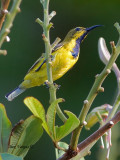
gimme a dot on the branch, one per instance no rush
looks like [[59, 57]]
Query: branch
[[46, 37], [92, 138], [3, 11], [9, 21], [105, 56], [57, 40], [3, 52], [96, 88], [52, 89]]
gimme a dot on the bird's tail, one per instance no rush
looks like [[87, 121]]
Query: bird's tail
[[17, 91]]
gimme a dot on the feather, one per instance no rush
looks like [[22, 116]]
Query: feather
[[58, 46], [40, 65], [35, 64], [17, 91]]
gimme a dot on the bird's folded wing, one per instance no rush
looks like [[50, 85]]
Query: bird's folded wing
[[58, 46], [36, 65]]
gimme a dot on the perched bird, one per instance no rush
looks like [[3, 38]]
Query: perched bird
[[63, 57]]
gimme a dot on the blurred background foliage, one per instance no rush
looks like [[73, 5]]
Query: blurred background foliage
[[26, 46]]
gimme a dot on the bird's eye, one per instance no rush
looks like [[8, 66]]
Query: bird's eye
[[77, 29]]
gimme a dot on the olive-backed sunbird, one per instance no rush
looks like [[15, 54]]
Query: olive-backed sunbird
[[63, 57]]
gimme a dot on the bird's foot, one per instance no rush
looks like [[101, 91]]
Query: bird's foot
[[48, 84], [57, 86], [52, 57]]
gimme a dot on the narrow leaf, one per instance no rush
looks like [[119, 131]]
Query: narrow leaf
[[51, 117], [59, 153], [6, 156], [71, 123], [37, 109], [5, 129], [24, 135]]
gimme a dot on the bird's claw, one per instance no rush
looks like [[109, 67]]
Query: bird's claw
[[57, 86], [47, 83]]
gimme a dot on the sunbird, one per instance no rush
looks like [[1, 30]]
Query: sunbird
[[63, 57]]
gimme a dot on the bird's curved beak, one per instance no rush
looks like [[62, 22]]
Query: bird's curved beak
[[91, 28]]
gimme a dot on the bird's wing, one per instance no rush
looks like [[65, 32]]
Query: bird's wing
[[58, 46], [37, 69], [37, 64], [41, 61]]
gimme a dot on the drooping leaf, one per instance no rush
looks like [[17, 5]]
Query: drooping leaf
[[92, 117], [59, 153], [24, 135], [37, 109], [71, 123], [51, 113], [5, 129], [6, 156]]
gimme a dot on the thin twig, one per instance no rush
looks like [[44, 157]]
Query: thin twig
[[105, 56], [57, 40], [3, 52], [94, 137], [59, 148], [52, 89], [3, 11], [46, 37], [9, 20]]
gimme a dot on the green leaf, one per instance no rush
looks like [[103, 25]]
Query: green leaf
[[37, 109], [51, 113], [59, 153], [24, 135], [5, 129], [92, 118], [6, 156], [71, 123]]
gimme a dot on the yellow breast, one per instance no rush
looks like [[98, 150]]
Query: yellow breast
[[61, 63]]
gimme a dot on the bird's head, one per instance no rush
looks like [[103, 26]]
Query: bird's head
[[79, 33]]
